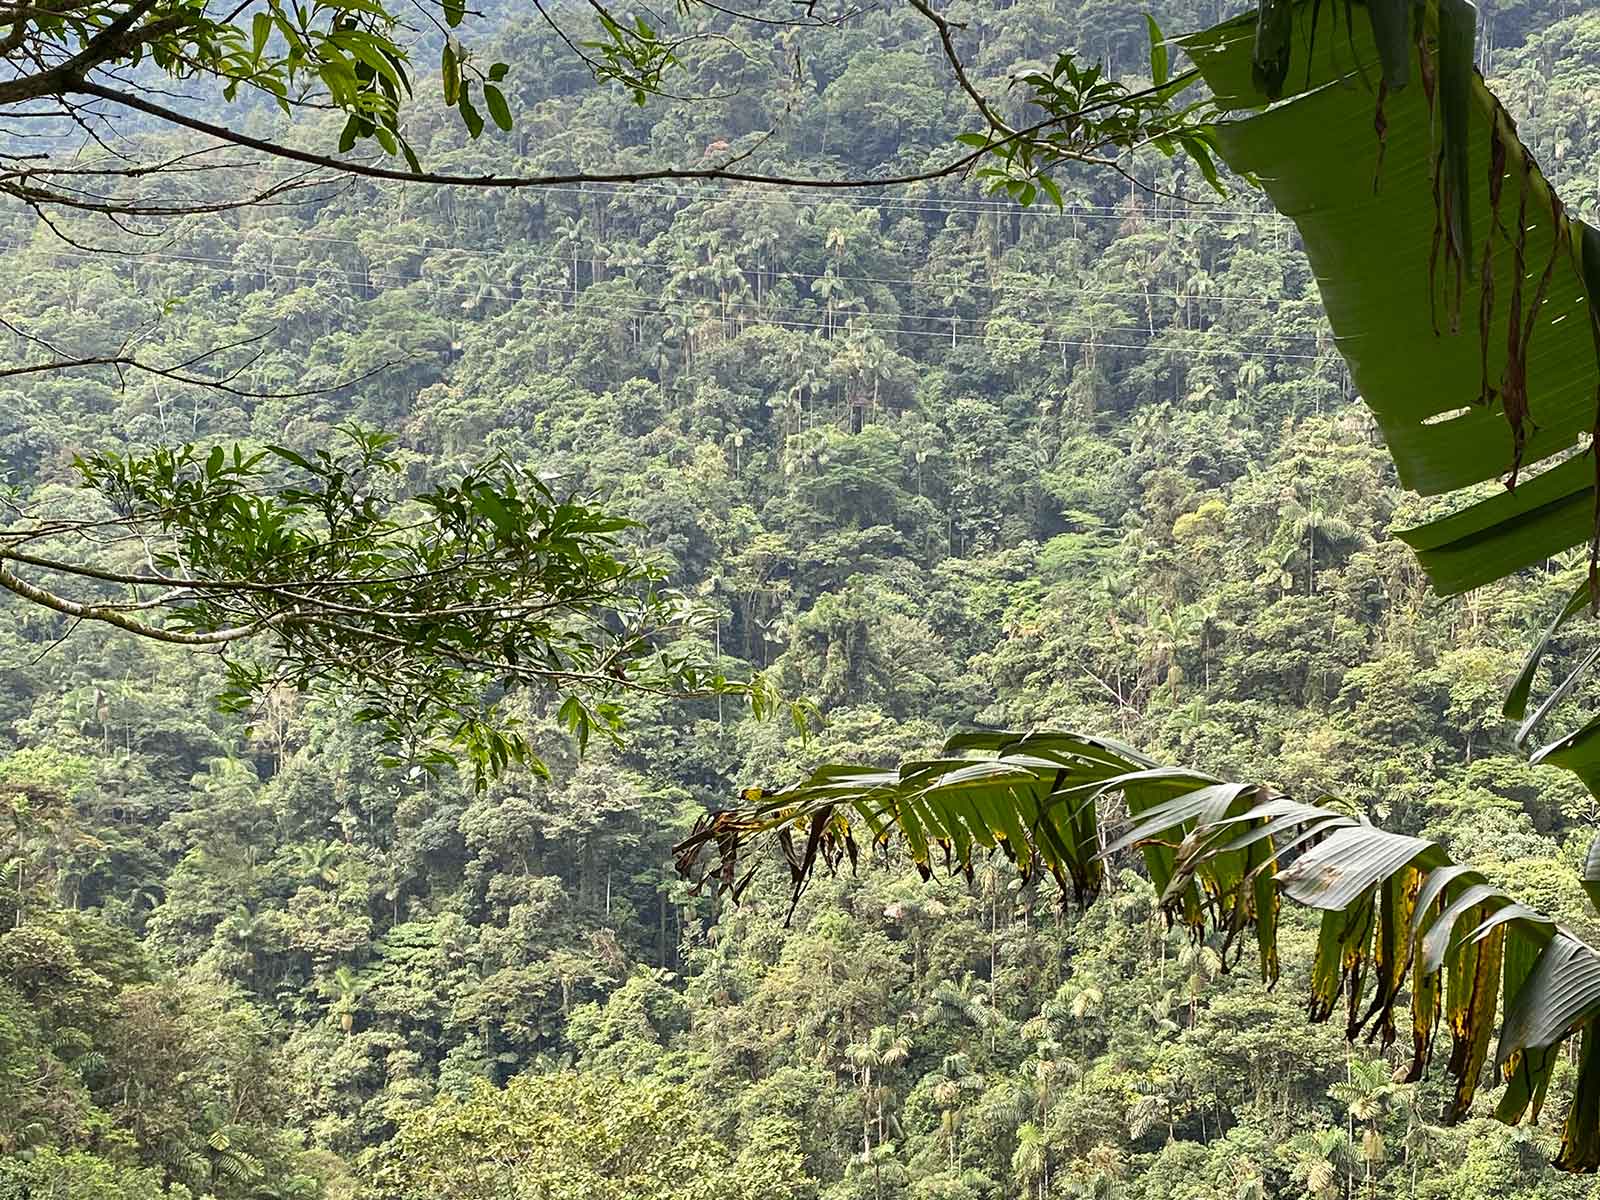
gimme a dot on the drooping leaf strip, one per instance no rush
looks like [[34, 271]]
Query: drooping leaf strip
[[1425, 387], [1399, 918]]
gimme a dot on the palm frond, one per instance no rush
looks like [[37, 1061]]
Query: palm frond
[[1399, 917], [228, 1162]]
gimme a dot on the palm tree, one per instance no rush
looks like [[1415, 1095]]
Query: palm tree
[[878, 1159], [724, 274], [1201, 965], [1366, 1093], [922, 443], [567, 230], [828, 288], [224, 1161], [836, 241], [1421, 1134], [992, 884], [785, 405], [243, 928], [1085, 1007], [867, 357], [1305, 524], [1203, 617], [949, 291], [882, 1049], [316, 861], [953, 1080], [1030, 1160], [969, 1001], [1159, 1014], [344, 987], [1040, 1070], [736, 440], [1148, 1111], [1318, 1158], [1251, 375], [1169, 629], [680, 326]]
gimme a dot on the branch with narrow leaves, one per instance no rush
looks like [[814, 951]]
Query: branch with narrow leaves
[[351, 61], [1085, 112], [305, 571]]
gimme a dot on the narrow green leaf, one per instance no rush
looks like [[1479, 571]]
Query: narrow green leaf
[[1159, 68], [1326, 966], [470, 115], [450, 72], [1391, 31], [1274, 46], [1590, 875], [1580, 1139], [495, 100], [1472, 996], [1516, 703], [1562, 989], [1458, 25]]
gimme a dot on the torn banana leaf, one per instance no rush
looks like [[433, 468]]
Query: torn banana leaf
[[1399, 918]]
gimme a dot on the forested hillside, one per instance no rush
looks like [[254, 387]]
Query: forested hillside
[[936, 460]]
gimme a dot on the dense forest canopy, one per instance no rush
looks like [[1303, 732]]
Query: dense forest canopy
[[931, 458]]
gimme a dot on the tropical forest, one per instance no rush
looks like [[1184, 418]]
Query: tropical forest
[[799, 600]]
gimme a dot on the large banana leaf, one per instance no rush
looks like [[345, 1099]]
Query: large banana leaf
[[1459, 291], [1402, 925], [1435, 375]]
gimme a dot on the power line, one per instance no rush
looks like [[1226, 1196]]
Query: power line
[[572, 296], [567, 298], [1086, 212], [908, 281]]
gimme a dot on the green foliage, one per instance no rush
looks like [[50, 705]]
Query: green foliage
[[564, 1137], [46, 1172], [420, 611], [1392, 904], [930, 458], [1083, 114], [352, 52], [1434, 391]]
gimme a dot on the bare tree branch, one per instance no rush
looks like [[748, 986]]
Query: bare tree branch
[[220, 385], [957, 69]]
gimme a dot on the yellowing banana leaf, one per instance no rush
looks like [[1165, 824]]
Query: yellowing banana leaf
[[1460, 293], [1400, 918], [1463, 299]]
